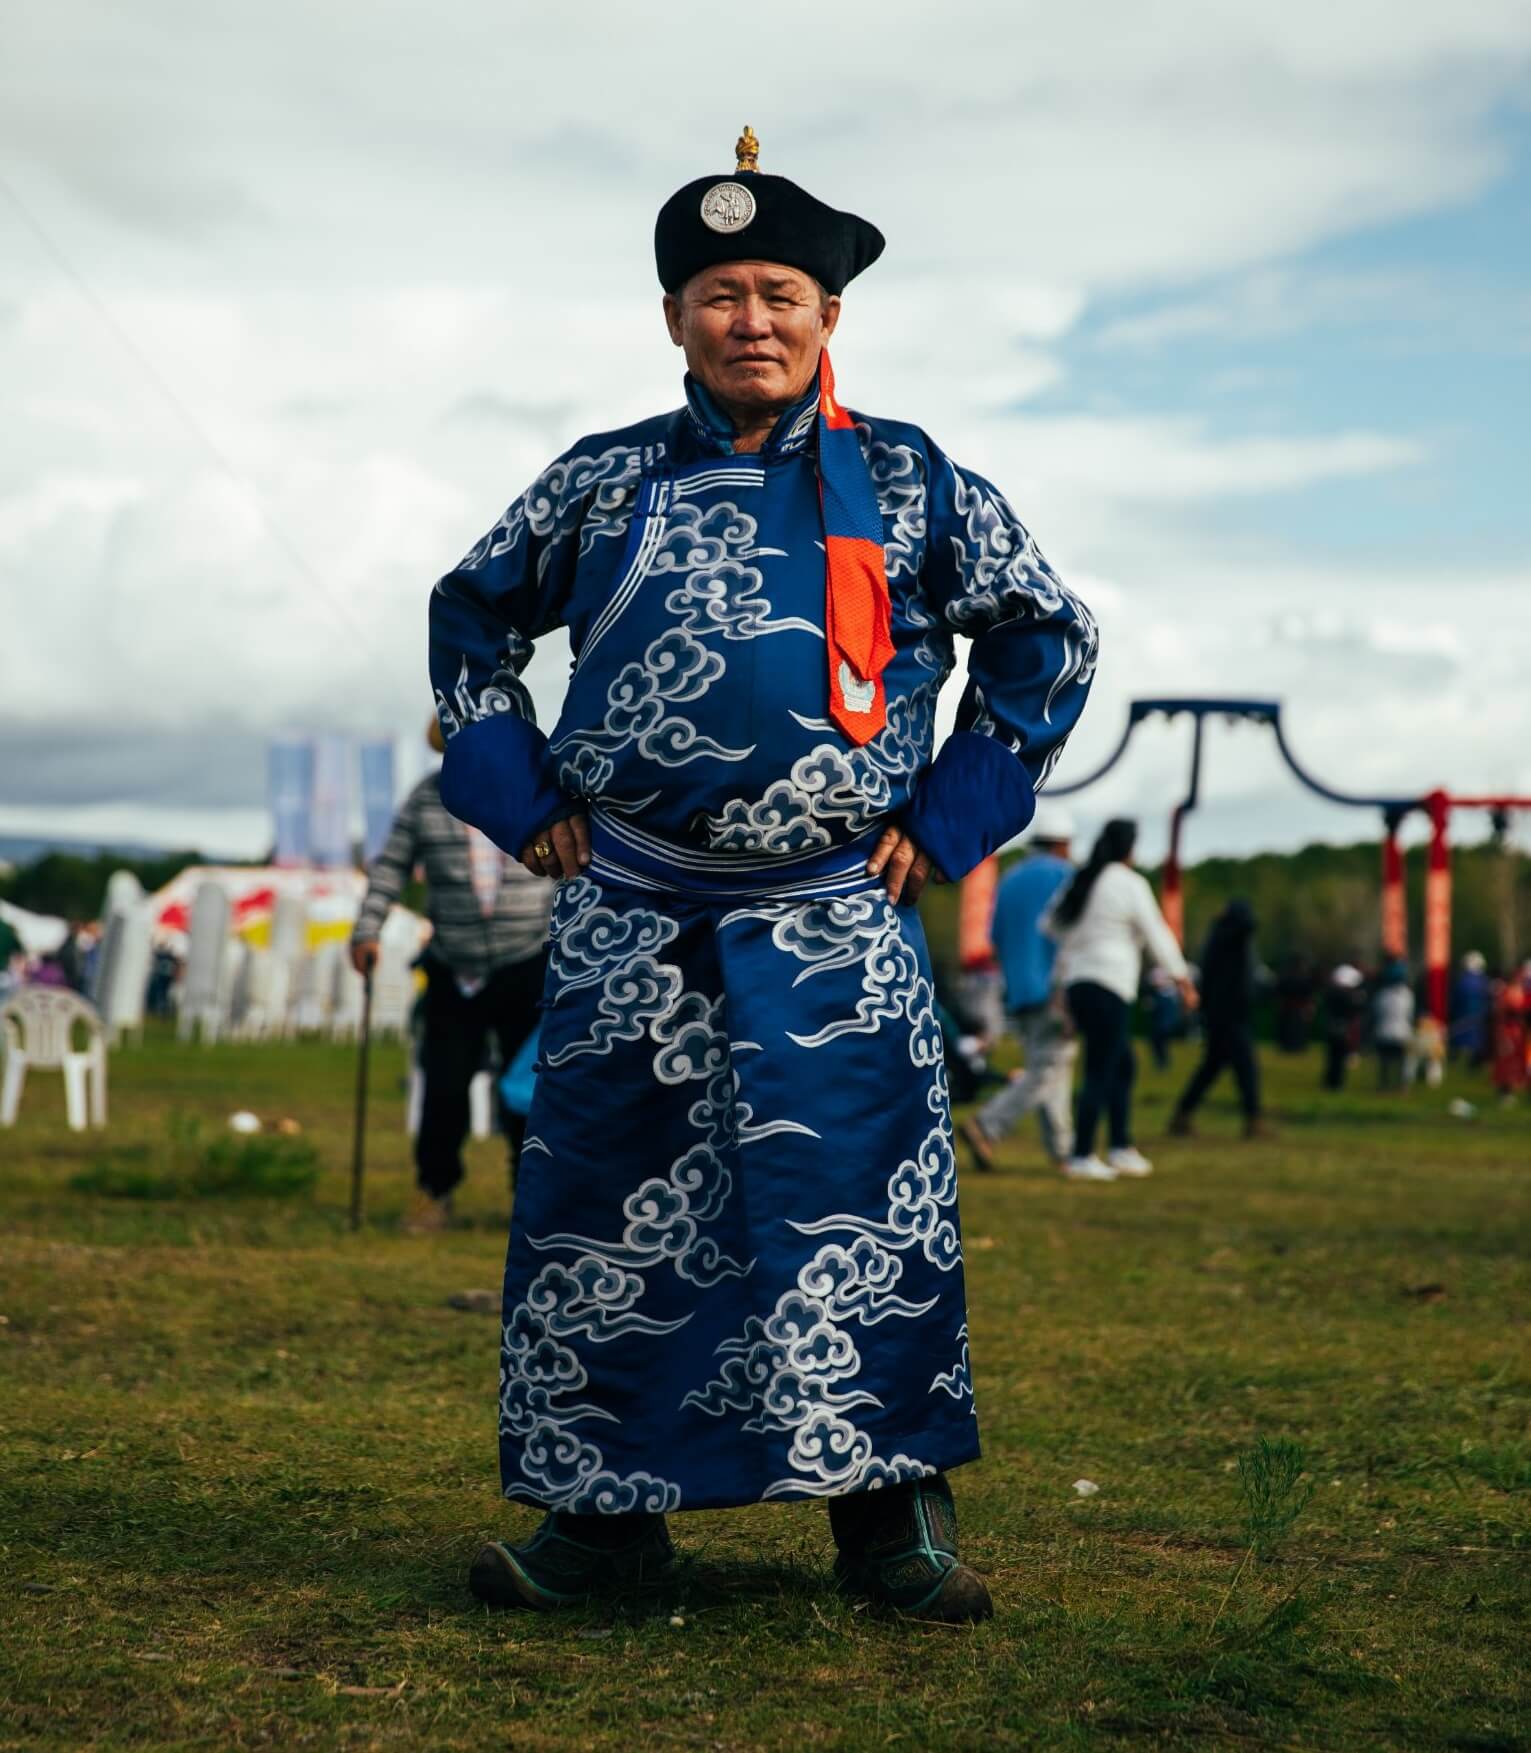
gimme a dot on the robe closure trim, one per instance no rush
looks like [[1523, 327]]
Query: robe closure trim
[[857, 608]]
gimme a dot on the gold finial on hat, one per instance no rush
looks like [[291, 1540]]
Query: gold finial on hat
[[747, 150]]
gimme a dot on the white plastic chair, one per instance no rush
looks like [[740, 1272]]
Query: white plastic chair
[[393, 979], [314, 998], [347, 995], [212, 961], [127, 950], [260, 1005], [38, 1025]]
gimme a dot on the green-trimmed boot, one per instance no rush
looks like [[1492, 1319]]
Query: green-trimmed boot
[[561, 1565], [898, 1548]]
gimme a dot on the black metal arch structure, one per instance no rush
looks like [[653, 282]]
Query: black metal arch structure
[[1268, 712], [1200, 709], [1437, 805]]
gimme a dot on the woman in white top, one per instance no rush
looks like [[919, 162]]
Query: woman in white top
[[1104, 921]]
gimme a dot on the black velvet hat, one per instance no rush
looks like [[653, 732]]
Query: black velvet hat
[[748, 217]]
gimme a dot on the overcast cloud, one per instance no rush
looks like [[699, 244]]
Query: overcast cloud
[[293, 299]]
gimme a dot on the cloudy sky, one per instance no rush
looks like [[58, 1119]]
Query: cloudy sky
[[1234, 301]]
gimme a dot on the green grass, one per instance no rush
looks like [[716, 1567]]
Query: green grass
[[245, 1458], [186, 1165]]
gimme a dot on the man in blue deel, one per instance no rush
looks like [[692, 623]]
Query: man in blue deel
[[735, 1272], [1026, 954]]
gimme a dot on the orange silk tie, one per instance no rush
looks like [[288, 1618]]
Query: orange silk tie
[[857, 610]]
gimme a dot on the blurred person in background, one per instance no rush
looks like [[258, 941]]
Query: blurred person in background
[[1229, 984], [1510, 1004], [164, 972], [484, 968], [10, 957], [1344, 1006], [1393, 1024], [1105, 920], [1166, 1017], [1426, 1059], [69, 957], [1026, 955], [1471, 1007], [1296, 998]]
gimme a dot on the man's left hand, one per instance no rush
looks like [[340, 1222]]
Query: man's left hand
[[904, 869]]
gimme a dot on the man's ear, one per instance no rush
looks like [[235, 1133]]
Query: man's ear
[[672, 318], [831, 314]]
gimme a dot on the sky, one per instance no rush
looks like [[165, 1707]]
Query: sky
[[1233, 302]]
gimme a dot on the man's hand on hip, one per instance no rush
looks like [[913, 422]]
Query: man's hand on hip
[[904, 869], [560, 851]]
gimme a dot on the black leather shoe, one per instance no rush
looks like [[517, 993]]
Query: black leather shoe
[[554, 1569], [898, 1549]]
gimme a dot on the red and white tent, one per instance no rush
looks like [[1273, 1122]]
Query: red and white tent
[[333, 899]]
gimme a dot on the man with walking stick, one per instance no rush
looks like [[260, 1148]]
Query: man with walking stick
[[484, 968]]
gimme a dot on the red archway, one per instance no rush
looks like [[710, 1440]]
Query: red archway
[[978, 886]]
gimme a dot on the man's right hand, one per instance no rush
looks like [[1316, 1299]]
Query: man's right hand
[[560, 851], [364, 955]]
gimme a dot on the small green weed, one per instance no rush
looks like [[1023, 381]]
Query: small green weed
[[1507, 1466], [1273, 1479]]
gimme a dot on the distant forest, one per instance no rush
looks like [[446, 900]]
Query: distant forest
[[73, 886], [1321, 902]]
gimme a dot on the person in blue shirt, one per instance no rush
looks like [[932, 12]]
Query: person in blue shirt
[[1026, 955], [1471, 1004]]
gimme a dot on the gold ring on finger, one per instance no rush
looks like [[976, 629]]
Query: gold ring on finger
[[543, 849]]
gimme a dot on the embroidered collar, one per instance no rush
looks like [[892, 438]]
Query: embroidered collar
[[794, 431]]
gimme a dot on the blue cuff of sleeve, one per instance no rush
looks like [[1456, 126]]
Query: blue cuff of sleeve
[[970, 800], [498, 776]]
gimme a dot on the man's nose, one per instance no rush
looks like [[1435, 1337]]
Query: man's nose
[[751, 320]]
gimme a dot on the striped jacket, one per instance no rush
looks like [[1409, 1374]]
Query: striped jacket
[[472, 944]]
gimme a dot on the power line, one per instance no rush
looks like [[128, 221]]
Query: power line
[[309, 574]]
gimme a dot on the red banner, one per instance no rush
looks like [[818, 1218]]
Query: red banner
[[975, 917], [1172, 899], [1395, 908], [1438, 908]]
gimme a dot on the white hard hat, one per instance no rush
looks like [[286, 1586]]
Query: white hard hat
[[1052, 823]]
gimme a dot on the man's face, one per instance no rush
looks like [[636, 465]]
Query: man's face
[[752, 331]]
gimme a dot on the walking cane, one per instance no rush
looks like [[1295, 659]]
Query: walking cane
[[359, 1146]]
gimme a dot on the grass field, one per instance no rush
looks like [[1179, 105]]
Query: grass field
[[245, 1458]]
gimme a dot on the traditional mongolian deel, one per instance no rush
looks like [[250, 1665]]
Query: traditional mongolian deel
[[735, 1270]]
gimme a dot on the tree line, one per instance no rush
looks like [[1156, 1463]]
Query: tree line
[[1321, 902]]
